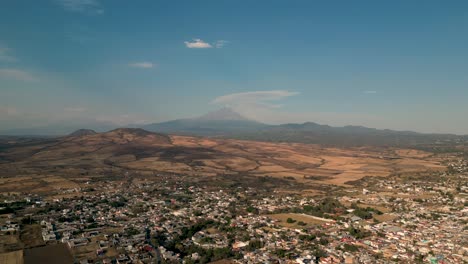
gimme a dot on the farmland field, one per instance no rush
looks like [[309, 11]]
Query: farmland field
[[67, 164]]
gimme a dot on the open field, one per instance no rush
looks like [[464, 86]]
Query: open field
[[51, 254], [14, 257], [382, 209], [9, 242], [308, 219], [61, 165], [31, 236], [385, 217]]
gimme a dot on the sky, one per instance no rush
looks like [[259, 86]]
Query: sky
[[385, 64]]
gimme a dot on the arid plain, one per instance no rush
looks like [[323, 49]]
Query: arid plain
[[69, 162]]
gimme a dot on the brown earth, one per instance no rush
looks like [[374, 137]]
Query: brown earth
[[14, 257], [50, 254], [66, 163], [307, 219]]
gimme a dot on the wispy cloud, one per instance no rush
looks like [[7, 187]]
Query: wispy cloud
[[370, 92], [82, 6], [5, 54], [220, 43], [142, 65], [16, 74], [263, 106], [197, 44], [254, 98], [257, 105], [200, 44]]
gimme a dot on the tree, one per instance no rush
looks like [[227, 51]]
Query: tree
[[28, 221], [350, 248]]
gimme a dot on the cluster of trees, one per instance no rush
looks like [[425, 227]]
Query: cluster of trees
[[350, 248], [292, 221], [63, 219], [131, 231], [326, 207], [254, 245], [188, 232], [307, 237], [9, 208], [6, 210], [251, 209], [28, 220], [118, 203], [358, 233], [364, 213], [206, 255]]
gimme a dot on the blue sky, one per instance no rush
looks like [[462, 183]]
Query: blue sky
[[384, 64]]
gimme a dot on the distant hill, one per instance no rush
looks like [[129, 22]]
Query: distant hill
[[344, 136], [96, 147], [82, 132], [125, 136], [126, 152], [227, 123], [59, 128]]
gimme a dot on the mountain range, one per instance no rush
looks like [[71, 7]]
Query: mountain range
[[227, 123]]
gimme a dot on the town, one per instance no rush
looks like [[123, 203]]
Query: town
[[420, 218]]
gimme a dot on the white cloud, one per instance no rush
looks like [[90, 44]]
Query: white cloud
[[82, 6], [255, 97], [5, 54], [16, 74], [197, 44], [370, 92], [220, 43], [258, 105], [143, 65]]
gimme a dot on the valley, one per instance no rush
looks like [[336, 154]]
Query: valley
[[67, 162]]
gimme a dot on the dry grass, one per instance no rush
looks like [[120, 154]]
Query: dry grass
[[385, 217], [309, 220], [193, 156], [9, 243], [381, 208], [31, 236], [15, 257]]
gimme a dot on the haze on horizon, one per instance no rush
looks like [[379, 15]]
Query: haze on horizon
[[398, 64]]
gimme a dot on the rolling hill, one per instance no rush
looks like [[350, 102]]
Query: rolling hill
[[113, 154]]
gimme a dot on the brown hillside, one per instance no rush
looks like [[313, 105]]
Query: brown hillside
[[114, 153]]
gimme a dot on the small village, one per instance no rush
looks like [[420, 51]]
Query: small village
[[172, 221]]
